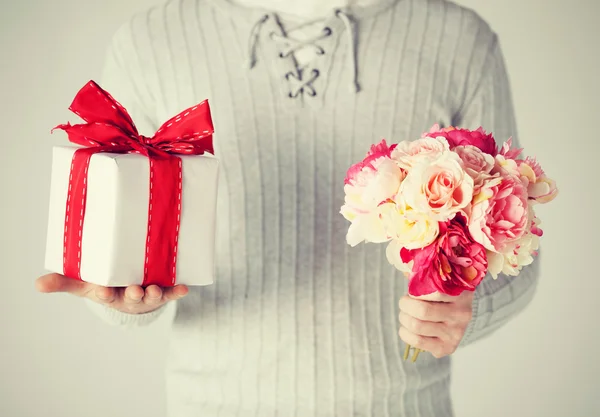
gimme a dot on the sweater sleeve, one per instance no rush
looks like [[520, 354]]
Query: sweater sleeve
[[489, 104], [124, 79], [117, 318]]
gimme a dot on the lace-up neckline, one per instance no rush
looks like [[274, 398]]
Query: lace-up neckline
[[301, 79], [292, 45]]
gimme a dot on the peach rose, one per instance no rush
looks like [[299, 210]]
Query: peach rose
[[440, 187], [475, 163]]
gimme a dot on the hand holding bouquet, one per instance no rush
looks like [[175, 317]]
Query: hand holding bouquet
[[451, 206]]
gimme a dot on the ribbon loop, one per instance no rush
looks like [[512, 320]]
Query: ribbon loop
[[93, 104]]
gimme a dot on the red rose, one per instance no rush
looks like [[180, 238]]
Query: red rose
[[462, 137], [453, 263]]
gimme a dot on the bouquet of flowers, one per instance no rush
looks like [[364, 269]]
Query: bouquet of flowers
[[451, 207]]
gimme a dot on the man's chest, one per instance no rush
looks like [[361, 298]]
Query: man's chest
[[252, 108], [401, 94]]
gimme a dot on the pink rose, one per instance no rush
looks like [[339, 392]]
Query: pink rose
[[499, 215], [381, 150], [453, 263], [505, 166], [508, 151], [370, 182], [440, 187], [518, 254], [461, 137], [476, 163], [409, 153], [540, 188]]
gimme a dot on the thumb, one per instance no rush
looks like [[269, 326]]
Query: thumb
[[52, 283]]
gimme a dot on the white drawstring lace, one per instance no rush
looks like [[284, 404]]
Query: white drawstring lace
[[292, 45], [301, 84], [353, 44], [253, 40]]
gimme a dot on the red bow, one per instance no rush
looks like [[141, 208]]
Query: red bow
[[109, 125], [109, 128]]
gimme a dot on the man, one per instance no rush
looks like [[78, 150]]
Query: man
[[298, 323]]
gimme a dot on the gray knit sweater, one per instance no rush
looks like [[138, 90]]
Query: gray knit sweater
[[298, 323]]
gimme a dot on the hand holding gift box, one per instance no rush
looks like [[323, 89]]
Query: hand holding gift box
[[131, 210]]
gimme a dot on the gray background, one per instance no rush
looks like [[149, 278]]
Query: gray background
[[56, 359]]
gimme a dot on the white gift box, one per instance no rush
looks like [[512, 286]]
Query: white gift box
[[113, 242]]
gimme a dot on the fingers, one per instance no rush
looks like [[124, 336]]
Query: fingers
[[426, 310], [105, 295], [422, 328], [133, 295], [426, 343], [132, 298], [52, 283], [156, 295], [434, 345], [175, 293], [435, 326], [153, 295], [135, 299]]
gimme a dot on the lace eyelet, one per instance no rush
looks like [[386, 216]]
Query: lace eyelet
[[291, 74]]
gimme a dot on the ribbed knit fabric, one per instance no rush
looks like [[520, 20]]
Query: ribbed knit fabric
[[299, 324]]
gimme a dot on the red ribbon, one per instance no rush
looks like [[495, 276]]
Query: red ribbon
[[109, 128]]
